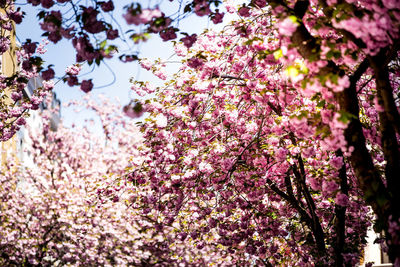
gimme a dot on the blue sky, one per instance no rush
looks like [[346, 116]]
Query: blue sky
[[62, 55]]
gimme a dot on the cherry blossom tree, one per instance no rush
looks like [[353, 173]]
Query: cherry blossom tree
[[92, 30], [295, 103], [278, 132], [67, 208]]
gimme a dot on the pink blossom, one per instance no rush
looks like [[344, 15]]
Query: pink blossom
[[308, 152], [49, 26], [48, 74], [7, 26], [342, 199], [158, 27], [161, 121], [133, 110], [20, 121], [260, 3], [189, 40], [336, 162], [16, 16], [314, 183], [112, 34], [205, 167], [30, 47], [67, 33], [195, 62], [84, 49], [107, 6], [47, 3], [4, 44], [132, 19], [230, 6], [161, 73], [16, 112], [72, 80], [343, 82], [280, 154], [202, 8], [391, 4], [328, 187], [217, 17], [168, 34], [16, 96], [149, 14], [337, 123], [41, 49], [54, 36], [90, 22], [287, 27], [146, 64], [48, 85], [73, 69], [141, 18], [86, 86], [244, 11]]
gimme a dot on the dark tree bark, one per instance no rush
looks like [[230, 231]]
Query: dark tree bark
[[340, 213], [384, 201]]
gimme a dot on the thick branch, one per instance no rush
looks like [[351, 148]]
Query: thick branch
[[316, 225], [301, 180], [311, 222], [385, 91], [340, 213], [389, 123], [292, 201], [360, 159]]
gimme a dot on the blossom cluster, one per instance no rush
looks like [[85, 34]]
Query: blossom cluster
[[66, 204], [246, 146]]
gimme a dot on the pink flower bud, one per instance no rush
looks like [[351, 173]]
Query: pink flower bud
[[107, 6], [217, 17], [112, 34], [48, 74], [47, 3], [72, 80], [244, 11], [189, 40], [86, 86]]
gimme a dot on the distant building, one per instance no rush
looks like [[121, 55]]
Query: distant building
[[14, 147], [373, 251], [7, 68], [34, 121]]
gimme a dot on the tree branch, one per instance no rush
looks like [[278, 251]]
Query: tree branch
[[360, 159], [340, 213]]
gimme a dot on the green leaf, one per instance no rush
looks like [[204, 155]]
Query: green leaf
[[103, 44], [337, 54], [329, 55], [321, 104], [304, 84], [346, 116], [334, 78]]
